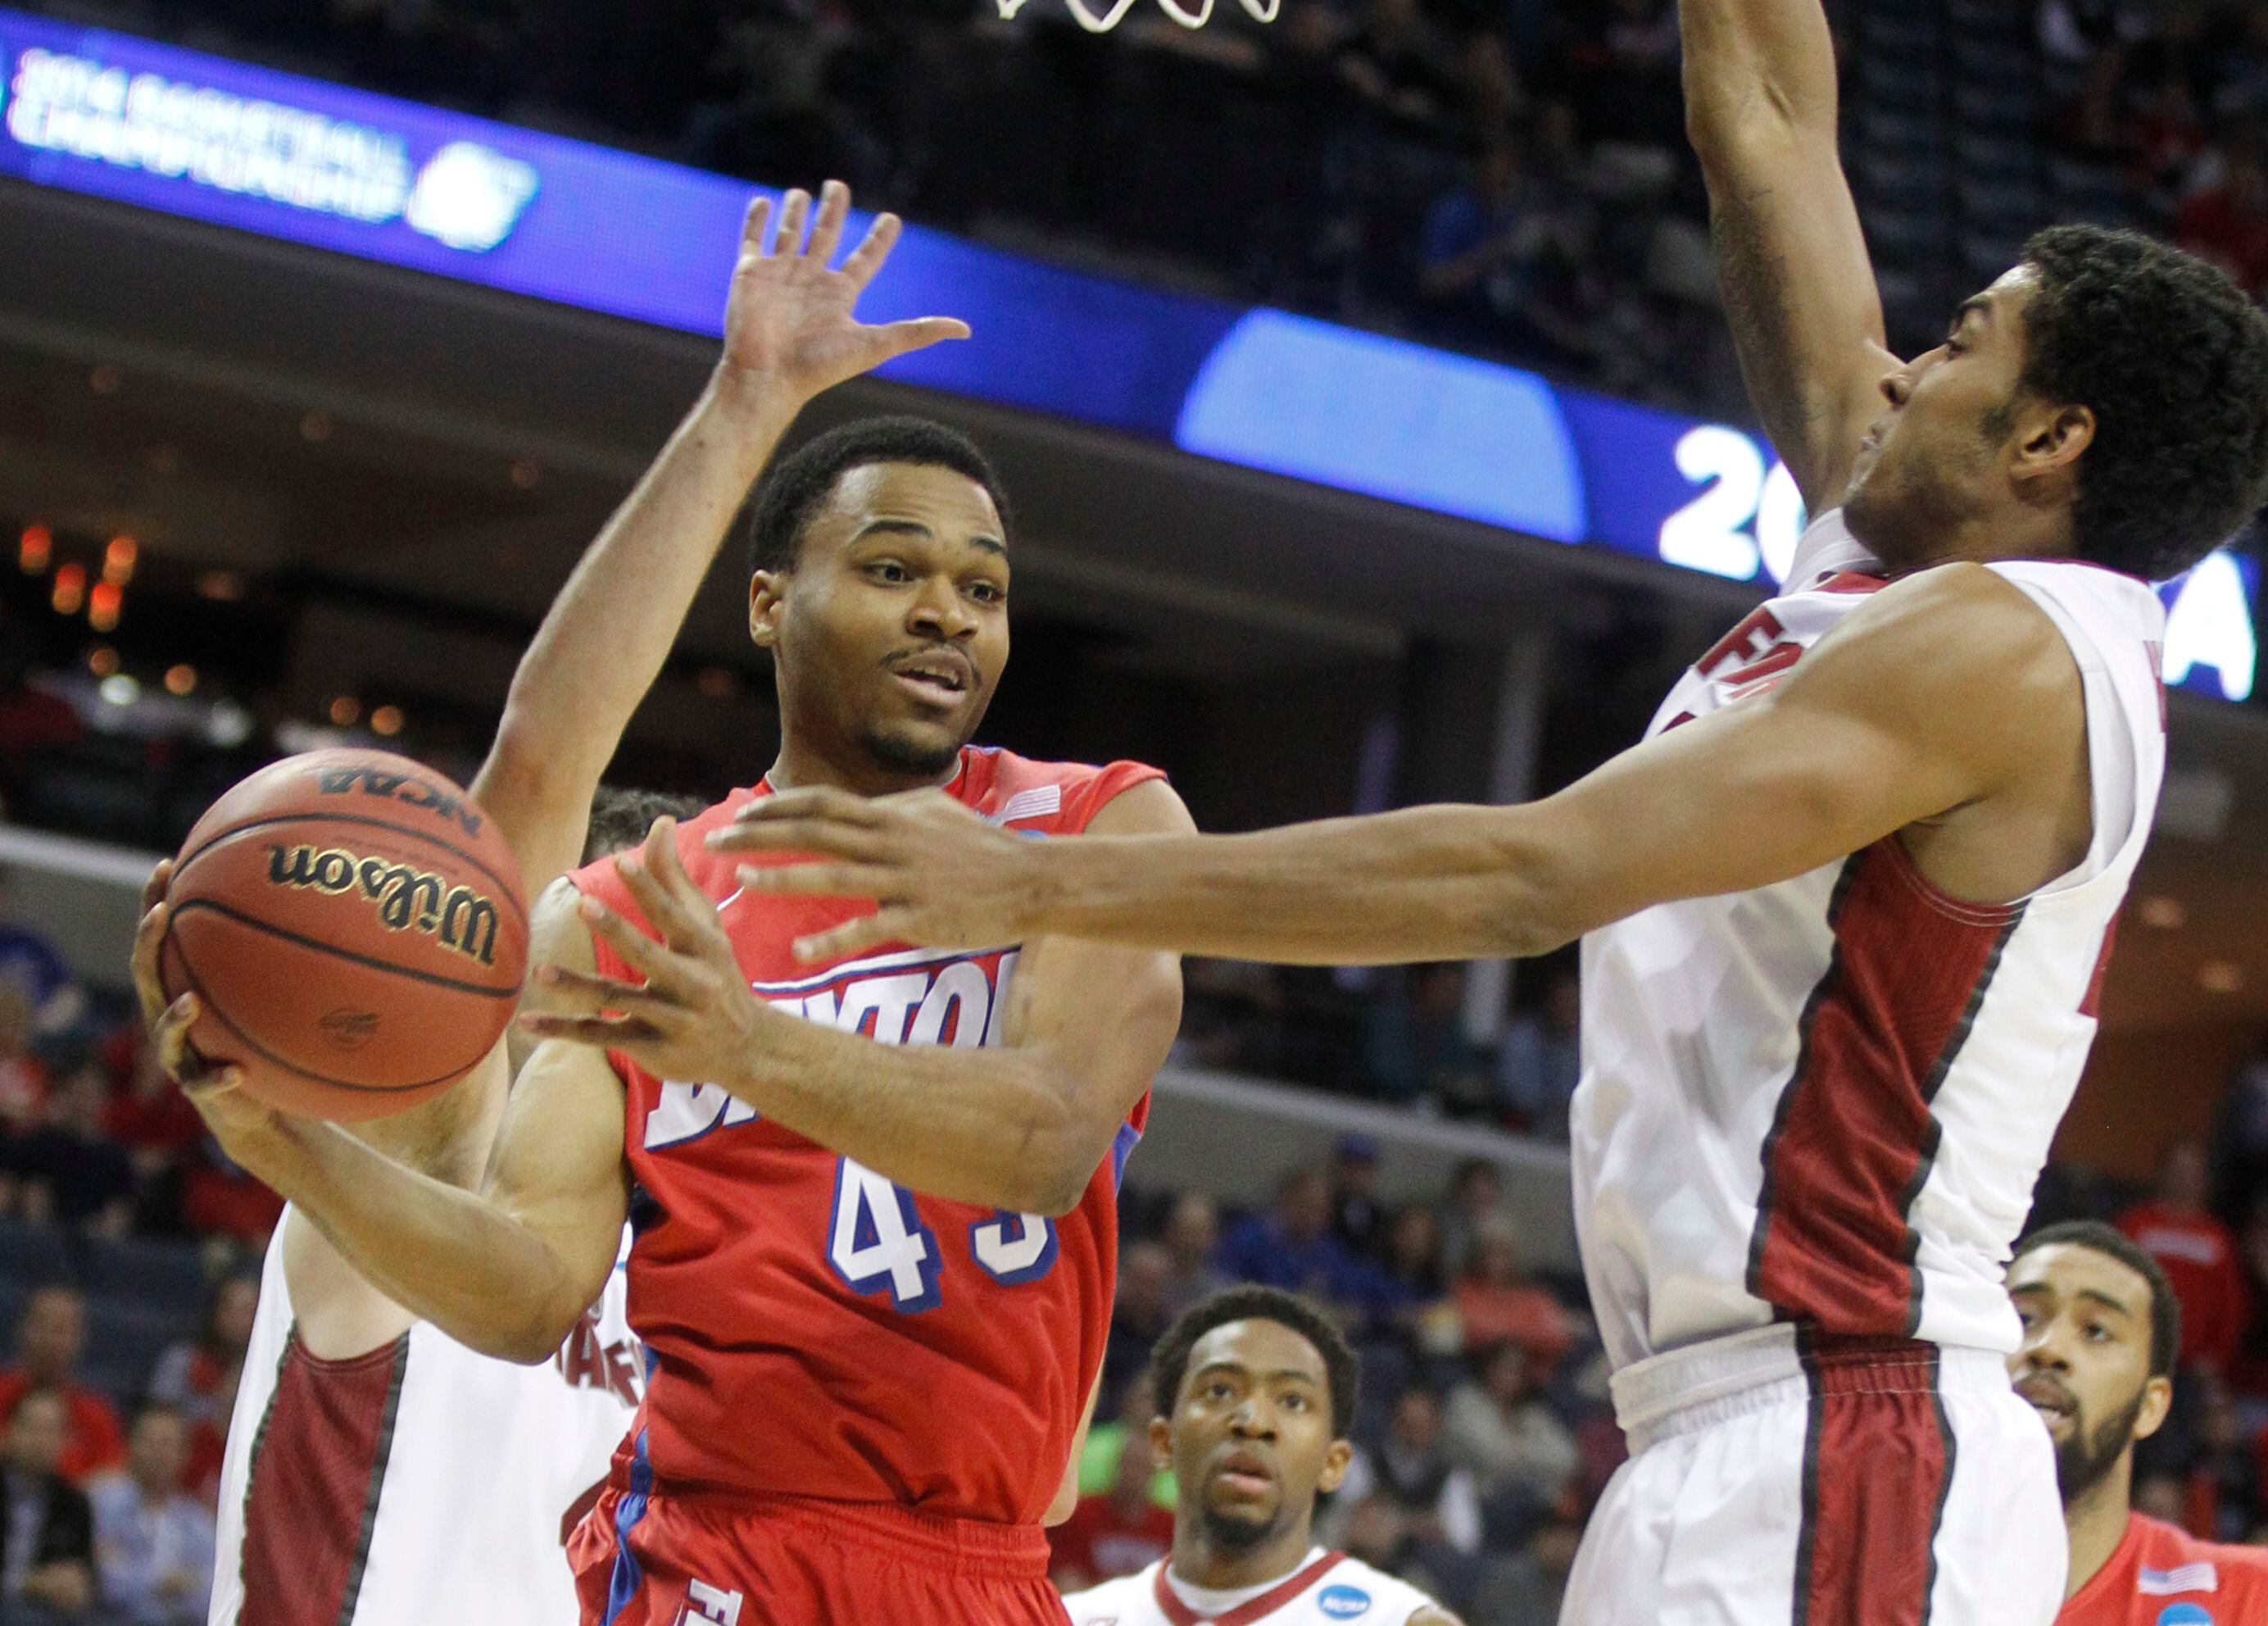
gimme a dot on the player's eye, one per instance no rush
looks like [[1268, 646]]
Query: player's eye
[[987, 592], [1296, 1402], [889, 571], [1217, 1391]]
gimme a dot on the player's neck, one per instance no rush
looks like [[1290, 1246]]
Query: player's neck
[[804, 762], [2097, 1523], [1986, 538], [1202, 1562]]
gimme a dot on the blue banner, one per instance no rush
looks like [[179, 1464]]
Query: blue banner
[[565, 221]]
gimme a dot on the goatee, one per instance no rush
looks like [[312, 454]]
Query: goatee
[[2085, 1460]]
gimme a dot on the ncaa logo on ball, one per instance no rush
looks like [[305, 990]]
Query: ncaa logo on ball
[[2184, 1614], [1343, 1603], [349, 1029]]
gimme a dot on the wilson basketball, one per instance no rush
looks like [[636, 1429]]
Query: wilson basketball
[[355, 928]]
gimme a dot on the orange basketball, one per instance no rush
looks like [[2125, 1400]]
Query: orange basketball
[[354, 926]]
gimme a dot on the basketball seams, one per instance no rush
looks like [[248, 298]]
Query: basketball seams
[[367, 961], [510, 892]]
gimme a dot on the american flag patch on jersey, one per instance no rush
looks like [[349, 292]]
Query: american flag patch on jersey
[[1040, 802], [2189, 1578]]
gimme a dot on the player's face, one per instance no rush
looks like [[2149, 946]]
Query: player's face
[[892, 630], [1929, 459], [1251, 1433], [2084, 1362]]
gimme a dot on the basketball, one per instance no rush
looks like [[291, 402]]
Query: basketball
[[354, 926]]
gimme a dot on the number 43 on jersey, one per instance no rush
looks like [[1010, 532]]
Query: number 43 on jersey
[[878, 1243]]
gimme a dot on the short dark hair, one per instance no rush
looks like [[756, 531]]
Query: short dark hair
[[2172, 358], [619, 818], [1169, 1362], [2165, 1308], [803, 480]]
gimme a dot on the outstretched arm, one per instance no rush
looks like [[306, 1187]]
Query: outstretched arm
[[1760, 107], [1021, 1126], [1948, 693]]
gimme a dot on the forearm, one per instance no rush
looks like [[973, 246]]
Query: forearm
[[992, 1127], [446, 1255], [1428, 883]]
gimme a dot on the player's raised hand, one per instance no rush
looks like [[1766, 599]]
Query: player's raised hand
[[235, 1118], [790, 322], [694, 1017], [940, 876]]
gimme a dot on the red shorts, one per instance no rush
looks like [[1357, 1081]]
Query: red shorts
[[787, 1561]]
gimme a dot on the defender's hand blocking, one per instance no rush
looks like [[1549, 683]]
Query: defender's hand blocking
[[694, 1018], [791, 321], [943, 878]]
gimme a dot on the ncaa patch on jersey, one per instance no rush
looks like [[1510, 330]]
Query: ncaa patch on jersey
[[1343, 1603], [2184, 1614]]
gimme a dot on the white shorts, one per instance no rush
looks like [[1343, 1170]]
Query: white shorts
[[1873, 1483]]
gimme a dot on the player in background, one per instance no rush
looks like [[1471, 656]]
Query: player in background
[[1845, 911], [2101, 1328], [875, 1201], [379, 1472], [1259, 1388]]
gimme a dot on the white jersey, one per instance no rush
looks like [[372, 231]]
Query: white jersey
[[419, 1484], [1827, 1101], [1328, 1589]]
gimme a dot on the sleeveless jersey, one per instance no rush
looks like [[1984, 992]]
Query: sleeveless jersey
[[817, 1331], [1827, 1101], [2163, 1575], [1329, 1589], [416, 1484]]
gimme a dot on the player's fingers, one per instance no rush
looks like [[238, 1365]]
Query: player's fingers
[[606, 1034], [149, 943], [153, 890], [672, 904], [850, 938], [902, 338], [821, 881], [829, 838], [559, 991], [794, 214], [758, 222], [821, 801], [873, 249], [641, 953], [827, 229], [175, 1053]]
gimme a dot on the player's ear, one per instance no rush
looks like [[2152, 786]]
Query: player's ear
[[2157, 1400], [1161, 1440], [1336, 1462], [767, 593]]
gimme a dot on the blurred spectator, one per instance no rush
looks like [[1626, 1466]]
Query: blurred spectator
[[1414, 1046], [1138, 1318], [190, 1376], [153, 1121], [50, 1341], [1476, 1203], [2198, 1254], [1496, 1303], [1496, 258], [1500, 1428], [39, 970], [1542, 1063], [1109, 1439], [1404, 66], [1530, 1584], [1116, 1533], [220, 1200], [46, 1539], [2228, 223], [1411, 1472], [1415, 1299], [1291, 1246], [1358, 1218], [69, 1168], [1192, 1238], [2240, 1140], [153, 1542], [1232, 1018], [23, 1080], [209, 1438]]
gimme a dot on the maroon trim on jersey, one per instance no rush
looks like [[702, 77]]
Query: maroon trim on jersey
[[1850, 581], [1867, 1551], [1252, 1609], [1853, 1140], [311, 1509]]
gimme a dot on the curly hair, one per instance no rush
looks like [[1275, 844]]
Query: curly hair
[[1169, 1362], [2172, 358], [800, 483]]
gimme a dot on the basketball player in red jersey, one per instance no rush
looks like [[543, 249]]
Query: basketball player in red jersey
[[397, 1474], [1845, 911], [875, 1201], [2101, 1327]]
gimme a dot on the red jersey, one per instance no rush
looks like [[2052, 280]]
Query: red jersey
[[2198, 1255], [812, 1329], [2162, 1576]]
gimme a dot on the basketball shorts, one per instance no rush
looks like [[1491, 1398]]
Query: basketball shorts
[[783, 1560], [1874, 1482]]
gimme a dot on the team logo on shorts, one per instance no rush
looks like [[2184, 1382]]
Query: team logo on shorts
[[1343, 1603], [709, 1606], [2184, 1614]]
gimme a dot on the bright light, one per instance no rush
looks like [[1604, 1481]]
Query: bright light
[[70, 595], [2221, 977], [103, 605], [1706, 533], [120, 690], [34, 548], [1780, 519], [102, 661], [223, 586], [2163, 913], [2211, 625], [118, 560], [181, 679], [344, 710], [387, 720]]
